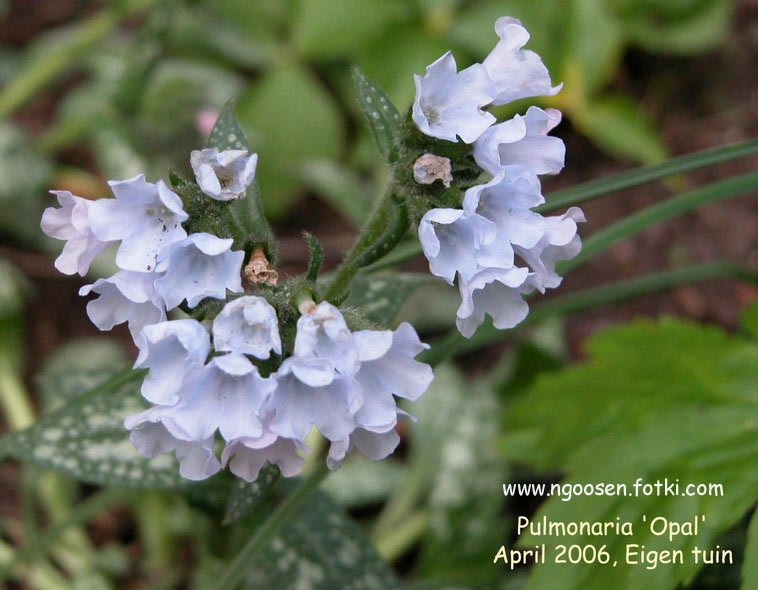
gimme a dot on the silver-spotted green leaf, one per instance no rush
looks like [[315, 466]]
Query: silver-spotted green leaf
[[360, 482], [381, 296], [246, 496], [381, 115], [24, 175], [618, 126], [86, 440], [455, 443], [655, 400], [321, 549], [227, 133], [77, 368], [247, 220]]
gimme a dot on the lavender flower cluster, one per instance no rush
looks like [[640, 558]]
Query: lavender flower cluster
[[205, 378], [482, 243]]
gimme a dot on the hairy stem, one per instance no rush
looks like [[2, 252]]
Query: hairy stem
[[289, 507]]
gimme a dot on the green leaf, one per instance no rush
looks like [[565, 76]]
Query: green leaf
[[245, 497], [342, 188], [750, 560], [360, 483], [749, 320], [380, 296], [381, 115], [618, 126], [321, 549], [246, 218], [455, 442], [24, 176], [78, 367], [681, 28], [593, 46], [660, 400], [227, 133], [331, 29], [392, 59], [87, 440], [290, 119]]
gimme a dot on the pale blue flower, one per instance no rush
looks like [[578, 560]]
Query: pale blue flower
[[452, 239], [71, 222], [515, 72], [171, 350], [200, 266], [522, 141], [152, 433], [322, 332], [247, 325], [449, 103], [127, 296], [224, 175], [560, 241], [246, 456], [147, 218]]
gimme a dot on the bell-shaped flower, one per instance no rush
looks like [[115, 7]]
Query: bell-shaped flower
[[224, 395], [147, 217], [152, 433], [374, 445], [200, 266], [71, 222], [506, 201], [449, 103], [452, 240], [246, 456], [310, 392], [322, 332], [127, 296], [226, 175], [494, 292], [516, 72], [247, 325], [522, 141], [171, 350], [560, 241], [389, 368]]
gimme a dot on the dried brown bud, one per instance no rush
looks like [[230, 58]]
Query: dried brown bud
[[258, 271], [429, 168]]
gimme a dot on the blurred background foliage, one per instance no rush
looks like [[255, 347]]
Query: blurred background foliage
[[110, 89], [142, 94]]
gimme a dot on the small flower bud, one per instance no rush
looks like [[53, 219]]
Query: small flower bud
[[430, 168]]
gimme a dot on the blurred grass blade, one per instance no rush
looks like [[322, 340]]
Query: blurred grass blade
[[49, 64], [80, 514], [663, 211], [587, 191], [603, 187], [454, 343]]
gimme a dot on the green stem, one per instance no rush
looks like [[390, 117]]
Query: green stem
[[397, 541], [668, 209], [384, 229], [290, 506], [47, 66], [589, 298]]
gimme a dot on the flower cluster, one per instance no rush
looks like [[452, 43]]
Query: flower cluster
[[482, 243], [230, 376]]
